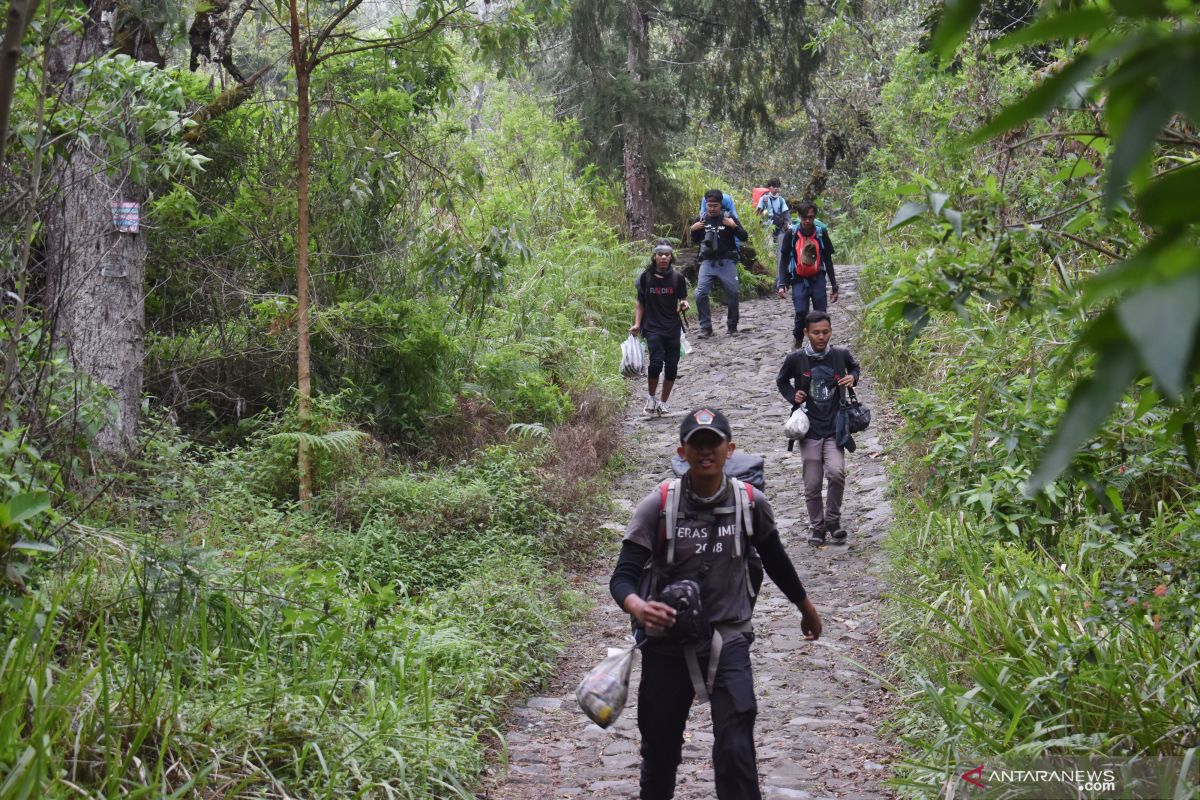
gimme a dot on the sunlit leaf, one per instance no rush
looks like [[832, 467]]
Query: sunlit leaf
[[1079, 168], [27, 546], [27, 505], [1161, 321], [1090, 405], [907, 213], [955, 219]]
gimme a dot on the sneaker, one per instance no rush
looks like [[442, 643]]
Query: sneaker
[[706, 333], [662, 408], [651, 404], [733, 331], [816, 538], [837, 533]]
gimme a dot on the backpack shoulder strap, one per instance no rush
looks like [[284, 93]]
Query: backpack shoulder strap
[[668, 510], [744, 499]]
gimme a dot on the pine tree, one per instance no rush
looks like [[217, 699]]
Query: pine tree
[[634, 73]]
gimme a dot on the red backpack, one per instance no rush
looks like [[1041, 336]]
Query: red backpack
[[808, 253]]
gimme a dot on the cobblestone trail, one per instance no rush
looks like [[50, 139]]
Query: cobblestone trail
[[820, 708]]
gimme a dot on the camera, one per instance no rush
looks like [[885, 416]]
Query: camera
[[712, 238]]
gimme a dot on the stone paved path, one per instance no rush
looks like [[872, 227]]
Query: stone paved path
[[820, 711]]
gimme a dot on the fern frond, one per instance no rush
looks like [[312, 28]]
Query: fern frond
[[337, 442], [528, 430]]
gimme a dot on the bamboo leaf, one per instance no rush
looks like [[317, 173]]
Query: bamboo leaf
[[1161, 322], [1090, 405], [27, 505], [957, 16], [1077, 24], [1172, 199], [1041, 100], [907, 213], [1134, 145]]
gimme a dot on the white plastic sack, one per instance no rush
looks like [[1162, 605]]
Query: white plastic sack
[[633, 359], [603, 691], [685, 347], [797, 425]]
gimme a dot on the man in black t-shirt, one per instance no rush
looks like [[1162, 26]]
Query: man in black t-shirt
[[816, 375], [661, 300]]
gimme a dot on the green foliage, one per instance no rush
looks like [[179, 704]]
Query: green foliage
[[1125, 67], [392, 360]]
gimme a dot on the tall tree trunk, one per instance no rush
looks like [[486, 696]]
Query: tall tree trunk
[[96, 273], [638, 210], [303, 381], [19, 14]]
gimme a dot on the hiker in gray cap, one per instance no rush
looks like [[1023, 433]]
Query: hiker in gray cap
[[658, 316], [683, 576]]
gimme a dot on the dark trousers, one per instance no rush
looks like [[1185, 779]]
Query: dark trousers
[[664, 354], [806, 291], [665, 696]]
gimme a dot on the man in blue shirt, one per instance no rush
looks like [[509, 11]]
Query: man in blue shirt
[[774, 211]]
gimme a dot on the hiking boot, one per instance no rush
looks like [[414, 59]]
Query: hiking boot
[[706, 333], [662, 408], [651, 404], [733, 331], [837, 533], [817, 537]]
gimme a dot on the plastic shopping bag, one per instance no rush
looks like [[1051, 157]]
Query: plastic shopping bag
[[797, 425], [633, 359], [685, 347], [603, 691]]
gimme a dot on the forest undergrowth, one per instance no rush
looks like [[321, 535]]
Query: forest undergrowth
[[1026, 623]]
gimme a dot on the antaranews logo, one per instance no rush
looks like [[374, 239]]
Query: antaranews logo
[[978, 775]]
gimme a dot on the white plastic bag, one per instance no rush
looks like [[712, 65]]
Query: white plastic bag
[[633, 359], [603, 691], [797, 425], [685, 347]]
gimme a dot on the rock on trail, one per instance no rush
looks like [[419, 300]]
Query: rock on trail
[[818, 731]]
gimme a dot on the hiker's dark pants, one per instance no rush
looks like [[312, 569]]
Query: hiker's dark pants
[[723, 270], [664, 356], [664, 698], [806, 291]]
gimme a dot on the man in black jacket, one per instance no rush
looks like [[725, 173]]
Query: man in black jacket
[[805, 262], [717, 234], [816, 375], [703, 549]]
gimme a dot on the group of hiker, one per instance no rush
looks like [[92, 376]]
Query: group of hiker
[[693, 555]]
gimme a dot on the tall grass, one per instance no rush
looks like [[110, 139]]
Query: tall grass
[[172, 673]]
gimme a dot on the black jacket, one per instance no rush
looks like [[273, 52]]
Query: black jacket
[[796, 374], [787, 253]]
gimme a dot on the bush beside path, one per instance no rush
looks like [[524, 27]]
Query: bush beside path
[[820, 707]]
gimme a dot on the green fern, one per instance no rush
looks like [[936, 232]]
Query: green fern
[[528, 430], [337, 442]]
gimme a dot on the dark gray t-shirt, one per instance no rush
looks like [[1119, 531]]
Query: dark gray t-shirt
[[725, 593]]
